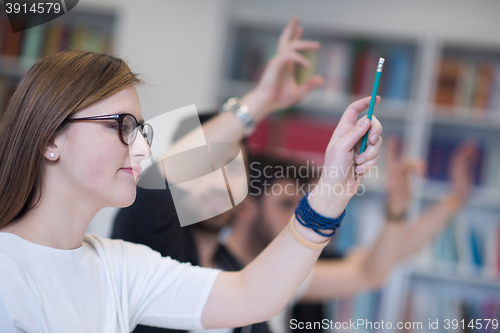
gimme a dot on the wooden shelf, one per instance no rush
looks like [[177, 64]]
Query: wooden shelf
[[481, 197], [455, 275], [464, 118]]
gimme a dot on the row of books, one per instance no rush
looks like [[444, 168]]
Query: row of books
[[469, 87], [447, 312], [294, 137], [485, 170], [306, 138], [348, 67], [303, 139], [469, 248], [25, 47]]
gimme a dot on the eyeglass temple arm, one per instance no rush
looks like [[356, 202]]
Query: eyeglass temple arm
[[95, 118]]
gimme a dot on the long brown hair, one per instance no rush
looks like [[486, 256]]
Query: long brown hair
[[55, 87]]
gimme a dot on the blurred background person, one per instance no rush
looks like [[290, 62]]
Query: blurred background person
[[276, 186], [261, 217]]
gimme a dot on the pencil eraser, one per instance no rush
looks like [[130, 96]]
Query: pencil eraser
[[380, 64]]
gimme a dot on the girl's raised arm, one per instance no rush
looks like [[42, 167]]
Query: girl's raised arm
[[262, 288]]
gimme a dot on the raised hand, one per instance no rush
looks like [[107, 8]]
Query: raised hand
[[338, 181], [398, 179], [277, 89]]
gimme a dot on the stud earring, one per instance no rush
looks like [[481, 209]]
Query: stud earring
[[52, 155]]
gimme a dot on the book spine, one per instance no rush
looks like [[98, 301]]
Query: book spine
[[398, 74], [32, 45], [13, 43], [461, 242], [447, 82], [303, 74], [482, 90], [358, 68], [494, 104], [334, 66], [490, 250]]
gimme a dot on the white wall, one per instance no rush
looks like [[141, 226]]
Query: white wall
[[457, 20], [175, 44], [177, 47]]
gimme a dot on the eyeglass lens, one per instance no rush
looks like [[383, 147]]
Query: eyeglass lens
[[147, 133], [130, 128]]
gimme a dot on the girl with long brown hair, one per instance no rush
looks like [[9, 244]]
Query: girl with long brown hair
[[71, 142]]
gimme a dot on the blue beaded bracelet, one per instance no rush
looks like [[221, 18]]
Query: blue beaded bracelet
[[312, 220]]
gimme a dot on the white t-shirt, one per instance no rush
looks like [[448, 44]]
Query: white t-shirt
[[103, 286]]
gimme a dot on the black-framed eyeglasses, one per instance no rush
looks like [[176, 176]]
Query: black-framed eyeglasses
[[127, 127]]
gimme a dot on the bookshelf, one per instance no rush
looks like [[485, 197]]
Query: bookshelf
[[440, 297], [338, 61], [77, 30], [437, 91]]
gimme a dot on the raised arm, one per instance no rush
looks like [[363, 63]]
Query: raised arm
[[264, 286], [365, 269], [434, 219]]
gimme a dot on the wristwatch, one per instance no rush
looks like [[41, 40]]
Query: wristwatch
[[241, 112]]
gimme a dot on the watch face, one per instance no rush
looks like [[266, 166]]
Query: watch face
[[243, 114]]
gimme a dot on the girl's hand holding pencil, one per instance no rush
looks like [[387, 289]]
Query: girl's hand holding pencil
[[338, 182]]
